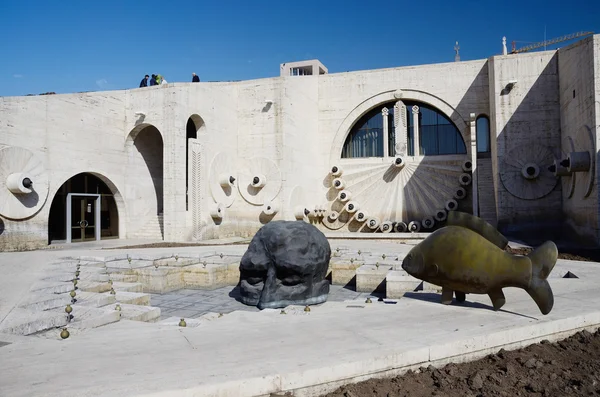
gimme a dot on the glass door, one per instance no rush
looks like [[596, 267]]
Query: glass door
[[83, 218]]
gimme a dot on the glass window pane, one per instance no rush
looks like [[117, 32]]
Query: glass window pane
[[483, 134]]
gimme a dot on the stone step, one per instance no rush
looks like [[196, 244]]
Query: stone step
[[38, 302], [86, 317], [137, 312], [94, 299], [127, 287], [398, 282], [131, 298], [92, 286], [51, 287], [83, 275], [370, 278], [26, 322], [123, 277]]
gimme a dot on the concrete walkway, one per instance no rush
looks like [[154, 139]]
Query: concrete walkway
[[254, 354]]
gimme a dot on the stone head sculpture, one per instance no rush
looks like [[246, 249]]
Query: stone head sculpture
[[285, 264]]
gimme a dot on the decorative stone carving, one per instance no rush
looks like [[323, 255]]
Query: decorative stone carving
[[465, 257], [23, 183], [221, 179], [259, 181], [525, 171], [285, 264]]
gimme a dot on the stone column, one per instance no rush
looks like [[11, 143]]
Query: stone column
[[401, 129], [473, 132], [386, 133], [416, 140]]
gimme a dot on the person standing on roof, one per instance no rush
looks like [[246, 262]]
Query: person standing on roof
[[144, 82], [163, 80], [153, 80], [195, 79]]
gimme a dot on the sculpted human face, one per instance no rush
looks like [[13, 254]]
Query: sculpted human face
[[284, 267]]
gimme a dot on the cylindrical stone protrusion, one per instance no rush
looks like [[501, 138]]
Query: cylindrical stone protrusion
[[19, 183], [427, 222], [398, 162], [344, 196], [460, 193], [451, 205], [338, 184], [373, 223], [386, 227], [414, 227], [467, 166], [400, 227], [579, 162], [360, 216], [336, 171], [351, 207], [259, 180], [440, 215], [464, 179]]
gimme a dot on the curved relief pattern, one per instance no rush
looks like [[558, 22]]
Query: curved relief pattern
[[525, 172], [16, 165], [260, 181], [569, 179], [583, 141], [221, 169], [419, 190]]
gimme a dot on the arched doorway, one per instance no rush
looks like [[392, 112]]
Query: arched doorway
[[83, 209], [144, 172], [194, 124]]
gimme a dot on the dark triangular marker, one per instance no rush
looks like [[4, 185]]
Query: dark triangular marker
[[570, 275], [419, 287]]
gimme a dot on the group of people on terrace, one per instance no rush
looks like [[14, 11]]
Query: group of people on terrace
[[158, 79]]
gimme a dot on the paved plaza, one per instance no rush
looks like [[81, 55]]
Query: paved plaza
[[193, 303], [230, 349]]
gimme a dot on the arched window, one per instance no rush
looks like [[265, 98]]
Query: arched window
[[482, 127], [437, 134]]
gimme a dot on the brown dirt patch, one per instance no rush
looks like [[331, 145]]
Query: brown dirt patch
[[570, 367], [586, 255]]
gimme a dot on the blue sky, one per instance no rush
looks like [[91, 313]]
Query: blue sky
[[79, 45]]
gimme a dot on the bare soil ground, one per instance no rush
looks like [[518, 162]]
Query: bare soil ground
[[570, 367]]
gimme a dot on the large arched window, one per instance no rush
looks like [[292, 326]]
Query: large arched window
[[482, 127], [437, 134]]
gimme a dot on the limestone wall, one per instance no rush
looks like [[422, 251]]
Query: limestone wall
[[291, 130], [577, 65], [525, 121]]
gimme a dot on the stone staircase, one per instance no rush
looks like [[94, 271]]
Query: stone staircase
[[153, 229], [98, 301]]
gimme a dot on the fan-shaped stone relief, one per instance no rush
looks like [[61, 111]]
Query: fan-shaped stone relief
[[259, 181], [395, 195], [525, 171], [222, 179], [23, 183]]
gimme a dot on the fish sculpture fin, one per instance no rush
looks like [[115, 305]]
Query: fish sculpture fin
[[497, 298], [543, 260], [479, 226], [460, 296]]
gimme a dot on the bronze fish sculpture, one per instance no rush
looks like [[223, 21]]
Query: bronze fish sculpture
[[468, 257]]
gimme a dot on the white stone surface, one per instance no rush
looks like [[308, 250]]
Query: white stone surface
[[309, 118]]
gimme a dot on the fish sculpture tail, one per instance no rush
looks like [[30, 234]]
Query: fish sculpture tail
[[543, 260]]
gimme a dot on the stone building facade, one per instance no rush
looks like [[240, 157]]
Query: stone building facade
[[511, 138]]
